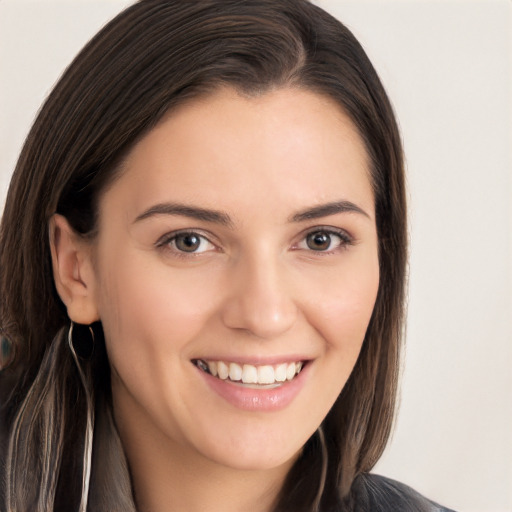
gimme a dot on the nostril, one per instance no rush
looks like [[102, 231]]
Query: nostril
[[262, 316]]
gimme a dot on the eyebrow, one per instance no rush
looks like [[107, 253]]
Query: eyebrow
[[192, 212], [218, 217], [324, 210]]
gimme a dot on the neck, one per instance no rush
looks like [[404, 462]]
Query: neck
[[200, 486]]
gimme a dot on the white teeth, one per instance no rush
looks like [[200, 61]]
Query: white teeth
[[250, 374], [290, 371], [266, 375], [280, 372], [235, 371], [223, 370], [213, 368]]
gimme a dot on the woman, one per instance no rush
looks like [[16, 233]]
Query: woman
[[203, 258]]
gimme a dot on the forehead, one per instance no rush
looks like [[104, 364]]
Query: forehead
[[286, 146]]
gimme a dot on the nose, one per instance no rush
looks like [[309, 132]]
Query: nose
[[259, 300]]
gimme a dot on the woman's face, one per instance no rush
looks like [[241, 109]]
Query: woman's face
[[236, 270]]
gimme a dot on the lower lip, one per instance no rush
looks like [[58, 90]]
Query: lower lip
[[250, 399]]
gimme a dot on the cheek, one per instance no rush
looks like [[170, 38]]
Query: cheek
[[344, 306], [340, 311], [149, 311]]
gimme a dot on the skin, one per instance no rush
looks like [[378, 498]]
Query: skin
[[254, 289]]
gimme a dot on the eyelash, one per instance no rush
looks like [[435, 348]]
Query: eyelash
[[345, 239]]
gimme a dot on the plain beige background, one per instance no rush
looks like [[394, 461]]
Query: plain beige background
[[448, 68]]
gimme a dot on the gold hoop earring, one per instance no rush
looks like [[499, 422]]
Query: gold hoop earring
[[81, 340], [81, 348]]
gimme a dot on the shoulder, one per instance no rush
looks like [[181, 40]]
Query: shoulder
[[379, 494]]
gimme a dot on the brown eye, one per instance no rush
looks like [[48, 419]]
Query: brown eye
[[192, 243], [187, 242], [319, 241], [325, 240], [183, 243]]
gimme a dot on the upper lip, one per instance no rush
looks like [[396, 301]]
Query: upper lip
[[256, 360]]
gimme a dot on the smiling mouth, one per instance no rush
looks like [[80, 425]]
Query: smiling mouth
[[264, 376]]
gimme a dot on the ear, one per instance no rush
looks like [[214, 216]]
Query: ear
[[73, 271]]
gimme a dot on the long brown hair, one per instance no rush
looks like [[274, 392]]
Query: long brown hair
[[153, 56]]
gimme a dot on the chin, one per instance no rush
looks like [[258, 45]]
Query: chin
[[257, 461], [244, 455]]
